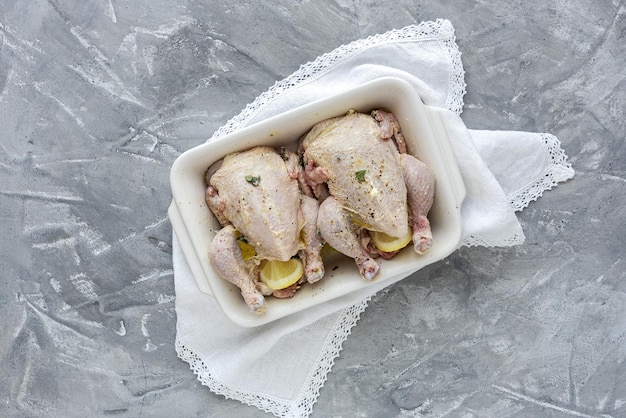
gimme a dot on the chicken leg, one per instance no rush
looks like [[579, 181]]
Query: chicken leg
[[420, 184], [337, 230], [225, 257], [313, 264]]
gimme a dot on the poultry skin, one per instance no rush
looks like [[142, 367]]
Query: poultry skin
[[256, 194], [352, 176], [357, 166]]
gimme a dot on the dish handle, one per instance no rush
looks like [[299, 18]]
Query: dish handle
[[456, 179], [180, 230]]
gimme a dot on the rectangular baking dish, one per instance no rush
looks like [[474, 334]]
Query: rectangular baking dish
[[426, 137]]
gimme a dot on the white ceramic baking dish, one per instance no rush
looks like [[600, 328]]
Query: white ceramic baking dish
[[426, 137]]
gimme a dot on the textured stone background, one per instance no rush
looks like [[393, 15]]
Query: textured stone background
[[97, 99]]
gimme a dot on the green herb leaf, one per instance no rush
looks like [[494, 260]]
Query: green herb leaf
[[283, 153], [253, 180], [360, 175]]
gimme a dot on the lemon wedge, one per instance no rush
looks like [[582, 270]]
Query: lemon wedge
[[281, 274], [247, 250], [389, 244]]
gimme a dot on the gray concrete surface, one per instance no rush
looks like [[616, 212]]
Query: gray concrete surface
[[97, 99]]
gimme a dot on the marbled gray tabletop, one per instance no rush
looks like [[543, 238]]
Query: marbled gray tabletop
[[97, 99]]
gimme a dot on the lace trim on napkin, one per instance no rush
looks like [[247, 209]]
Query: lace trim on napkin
[[516, 238], [440, 30], [559, 170], [303, 406]]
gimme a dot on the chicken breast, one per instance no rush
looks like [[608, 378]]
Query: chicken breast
[[361, 169], [255, 192]]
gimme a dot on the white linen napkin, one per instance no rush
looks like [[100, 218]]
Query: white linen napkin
[[281, 367]]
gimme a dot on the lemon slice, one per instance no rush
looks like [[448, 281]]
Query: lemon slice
[[389, 244], [247, 250], [281, 274]]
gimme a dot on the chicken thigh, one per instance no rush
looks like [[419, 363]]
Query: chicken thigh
[[256, 193], [359, 161], [420, 186], [225, 256], [339, 232]]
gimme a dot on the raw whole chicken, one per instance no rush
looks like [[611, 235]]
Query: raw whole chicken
[[357, 166], [256, 194], [352, 180]]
